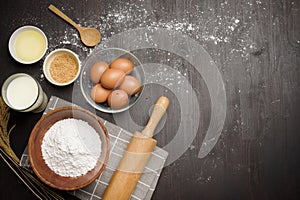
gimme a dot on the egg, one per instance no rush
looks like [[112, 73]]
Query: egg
[[97, 70], [99, 94], [122, 64], [130, 85], [118, 99], [112, 78]]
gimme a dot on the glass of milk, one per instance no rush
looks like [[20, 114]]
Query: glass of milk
[[23, 93]]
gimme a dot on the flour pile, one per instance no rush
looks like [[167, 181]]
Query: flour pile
[[71, 147]]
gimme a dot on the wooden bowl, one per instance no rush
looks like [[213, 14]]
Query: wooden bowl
[[35, 154]]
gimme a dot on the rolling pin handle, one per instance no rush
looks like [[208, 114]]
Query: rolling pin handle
[[159, 110]]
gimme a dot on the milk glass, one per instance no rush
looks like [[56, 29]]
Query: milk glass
[[23, 93]]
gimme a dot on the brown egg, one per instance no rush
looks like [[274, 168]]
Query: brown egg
[[99, 94], [97, 70], [112, 78], [118, 99], [122, 64], [130, 85]]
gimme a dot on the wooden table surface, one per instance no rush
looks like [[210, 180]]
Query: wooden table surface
[[254, 46]]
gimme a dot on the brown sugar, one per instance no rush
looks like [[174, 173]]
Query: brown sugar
[[63, 68]]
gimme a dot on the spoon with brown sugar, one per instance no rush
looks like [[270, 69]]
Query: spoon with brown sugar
[[89, 36]]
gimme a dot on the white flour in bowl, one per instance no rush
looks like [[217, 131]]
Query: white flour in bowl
[[71, 147]]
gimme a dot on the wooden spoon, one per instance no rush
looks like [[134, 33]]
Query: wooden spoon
[[89, 36]]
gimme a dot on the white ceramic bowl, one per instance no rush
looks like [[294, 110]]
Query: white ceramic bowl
[[51, 56], [16, 34]]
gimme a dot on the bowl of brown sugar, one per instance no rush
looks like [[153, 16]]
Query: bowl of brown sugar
[[61, 67]]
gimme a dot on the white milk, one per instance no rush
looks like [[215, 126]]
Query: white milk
[[22, 92]]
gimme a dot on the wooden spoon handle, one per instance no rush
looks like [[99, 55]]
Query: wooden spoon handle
[[63, 16], [158, 111]]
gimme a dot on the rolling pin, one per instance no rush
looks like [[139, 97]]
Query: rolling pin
[[136, 156]]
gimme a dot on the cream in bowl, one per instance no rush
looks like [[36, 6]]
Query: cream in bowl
[[61, 67], [28, 44]]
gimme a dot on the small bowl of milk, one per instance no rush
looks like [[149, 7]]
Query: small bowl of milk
[[28, 44]]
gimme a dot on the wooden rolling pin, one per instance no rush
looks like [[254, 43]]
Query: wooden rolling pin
[[135, 157]]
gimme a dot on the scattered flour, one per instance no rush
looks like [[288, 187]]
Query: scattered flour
[[210, 26], [71, 147]]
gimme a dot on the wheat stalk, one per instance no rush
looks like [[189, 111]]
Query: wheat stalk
[[39, 189]]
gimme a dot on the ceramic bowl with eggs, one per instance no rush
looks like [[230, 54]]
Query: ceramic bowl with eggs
[[112, 80]]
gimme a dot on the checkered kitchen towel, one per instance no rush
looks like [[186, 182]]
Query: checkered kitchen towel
[[119, 139]]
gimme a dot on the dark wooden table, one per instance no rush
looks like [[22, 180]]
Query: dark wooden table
[[255, 46]]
